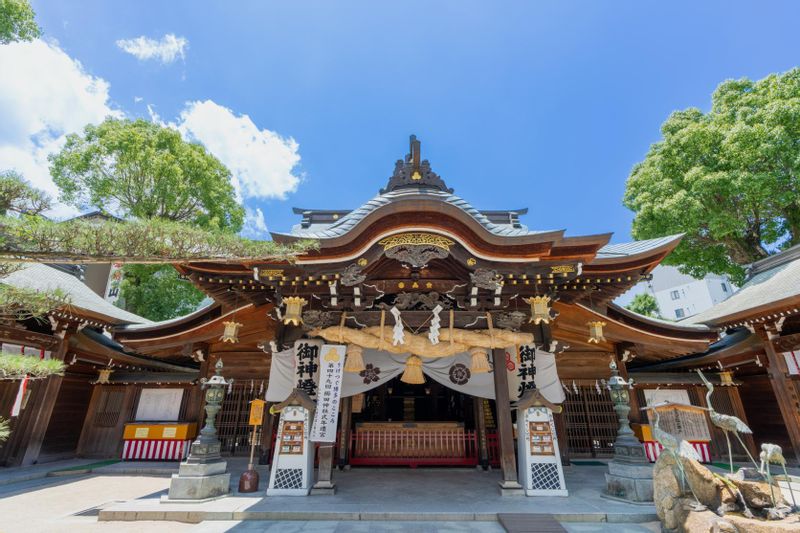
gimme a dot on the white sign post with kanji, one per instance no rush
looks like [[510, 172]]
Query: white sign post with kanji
[[329, 393]]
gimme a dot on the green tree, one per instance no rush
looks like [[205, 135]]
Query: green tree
[[147, 171], [728, 179], [144, 170], [17, 21], [158, 291], [17, 196], [644, 304]]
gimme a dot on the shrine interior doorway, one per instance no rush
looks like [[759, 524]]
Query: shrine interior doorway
[[402, 424]]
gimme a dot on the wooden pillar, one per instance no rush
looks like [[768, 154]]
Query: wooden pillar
[[738, 408], [561, 436], [508, 459], [325, 484], [31, 443], [267, 428], [344, 432], [480, 424], [786, 394]]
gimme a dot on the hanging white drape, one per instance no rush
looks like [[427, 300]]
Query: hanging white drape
[[452, 372]]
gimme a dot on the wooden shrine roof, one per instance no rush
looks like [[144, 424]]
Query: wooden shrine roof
[[84, 303], [770, 292], [419, 244]]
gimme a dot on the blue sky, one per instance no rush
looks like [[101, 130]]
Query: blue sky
[[539, 104]]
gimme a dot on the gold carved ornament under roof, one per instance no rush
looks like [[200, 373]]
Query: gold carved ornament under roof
[[416, 239], [562, 269]]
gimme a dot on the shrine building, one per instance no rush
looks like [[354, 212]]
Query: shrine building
[[446, 317]]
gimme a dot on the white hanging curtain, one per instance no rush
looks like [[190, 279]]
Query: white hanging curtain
[[453, 372]]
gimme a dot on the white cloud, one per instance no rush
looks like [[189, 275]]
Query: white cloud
[[166, 50], [137, 99], [255, 227], [262, 162], [48, 96]]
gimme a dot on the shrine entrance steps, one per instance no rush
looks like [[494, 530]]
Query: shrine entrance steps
[[530, 523], [399, 494]]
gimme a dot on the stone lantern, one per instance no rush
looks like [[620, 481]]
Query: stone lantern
[[203, 475], [630, 475]]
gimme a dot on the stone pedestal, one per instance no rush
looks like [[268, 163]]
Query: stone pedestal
[[631, 482], [323, 488], [202, 476], [197, 482]]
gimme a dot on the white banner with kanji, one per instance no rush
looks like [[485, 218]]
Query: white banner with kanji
[[329, 393]]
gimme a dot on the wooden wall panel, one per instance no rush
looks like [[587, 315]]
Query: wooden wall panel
[[66, 422], [763, 412], [105, 420], [583, 365]]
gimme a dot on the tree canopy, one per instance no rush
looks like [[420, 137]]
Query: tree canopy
[[644, 304], [729, 178], [17, 196], [146, 171], [17, 21]]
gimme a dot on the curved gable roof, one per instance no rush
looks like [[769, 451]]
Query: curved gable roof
[[342, 226]]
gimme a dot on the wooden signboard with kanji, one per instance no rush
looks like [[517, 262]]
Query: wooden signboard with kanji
[[256, 412]]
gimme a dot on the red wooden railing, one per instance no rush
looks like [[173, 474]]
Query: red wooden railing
[[429, 448], [421, 447]]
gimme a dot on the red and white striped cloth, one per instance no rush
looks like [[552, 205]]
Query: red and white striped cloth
[[156, 450], [653, 449]]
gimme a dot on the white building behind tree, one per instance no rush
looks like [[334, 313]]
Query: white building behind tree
[[679, 295]]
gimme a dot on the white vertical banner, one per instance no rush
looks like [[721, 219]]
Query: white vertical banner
[[329, 393], [113, 283]]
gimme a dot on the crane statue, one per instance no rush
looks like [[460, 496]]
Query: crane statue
[[773, 454], [727, 423], [676, 447]]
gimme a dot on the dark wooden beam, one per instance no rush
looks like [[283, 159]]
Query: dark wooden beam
[[508, 460], [786, 394], [344, 431], [31, 443]]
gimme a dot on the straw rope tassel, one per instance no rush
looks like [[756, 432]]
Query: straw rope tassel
[[413, 372], [355, 359], [480, 360]]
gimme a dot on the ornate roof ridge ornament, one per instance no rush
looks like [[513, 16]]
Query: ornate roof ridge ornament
[[416, 249], [413, 172]]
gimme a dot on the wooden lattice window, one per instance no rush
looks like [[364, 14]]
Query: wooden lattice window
[[591, 422], [232, 428], [109, 407]]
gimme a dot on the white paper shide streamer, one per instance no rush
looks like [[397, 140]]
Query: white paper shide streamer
[[433, 333]]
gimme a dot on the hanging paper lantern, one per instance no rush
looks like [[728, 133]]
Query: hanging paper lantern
[[355, 359], [480, 361], [540, 309], [596, 331], [231, 333], [413, 373], [294, 308]]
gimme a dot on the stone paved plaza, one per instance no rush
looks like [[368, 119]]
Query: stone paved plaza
[[365, 502]]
